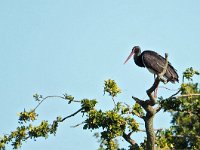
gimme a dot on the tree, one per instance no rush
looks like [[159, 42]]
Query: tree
[[120, 121], [185, 129]]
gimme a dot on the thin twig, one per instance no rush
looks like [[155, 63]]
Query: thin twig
[[160, 106], [174, 94], [113, 101], [168, 88], [78, 124], [61, 97], [45, 99], [181, 96]]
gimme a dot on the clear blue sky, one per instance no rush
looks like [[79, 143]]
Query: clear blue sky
[[52, 47]]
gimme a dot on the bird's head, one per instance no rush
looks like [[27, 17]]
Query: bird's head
[[135, 50]]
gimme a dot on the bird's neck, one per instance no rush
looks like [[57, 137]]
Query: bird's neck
[[138, 60], [137, 56]]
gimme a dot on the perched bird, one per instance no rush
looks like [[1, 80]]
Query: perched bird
[[153, 62]]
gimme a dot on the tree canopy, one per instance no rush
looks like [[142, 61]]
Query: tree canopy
[[184, 106]]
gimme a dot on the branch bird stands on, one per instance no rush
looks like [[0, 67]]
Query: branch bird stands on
[[155, 63]]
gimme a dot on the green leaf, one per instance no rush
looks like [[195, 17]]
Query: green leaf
[[111, 87]]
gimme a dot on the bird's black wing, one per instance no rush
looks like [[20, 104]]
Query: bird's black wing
[[155, 63]]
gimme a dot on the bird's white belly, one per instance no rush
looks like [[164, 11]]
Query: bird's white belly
[[152, 71]]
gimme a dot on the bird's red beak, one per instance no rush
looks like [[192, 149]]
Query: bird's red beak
[[131, 54]]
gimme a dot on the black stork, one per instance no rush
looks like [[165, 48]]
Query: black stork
[[153, 62]]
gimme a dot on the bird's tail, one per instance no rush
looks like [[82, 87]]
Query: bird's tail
[[171, 74]]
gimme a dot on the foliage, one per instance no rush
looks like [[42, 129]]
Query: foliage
[[27, 116], [111, 88], [112, 122], [26, 130], [37, 97], [189, 73], [103, 142], [185, 109], [120, 121], [69, 97]]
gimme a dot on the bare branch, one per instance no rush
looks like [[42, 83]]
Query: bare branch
[[127, 137], [140, 102], [72, 114], [130, 133], [151, 90], [158, 108], [146, 105], [181, 96]]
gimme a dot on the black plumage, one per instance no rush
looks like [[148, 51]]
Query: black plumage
[[154, 63]]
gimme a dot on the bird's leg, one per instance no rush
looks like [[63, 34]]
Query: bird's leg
[[155, 92]]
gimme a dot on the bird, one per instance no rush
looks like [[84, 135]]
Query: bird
[[154, 63]]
